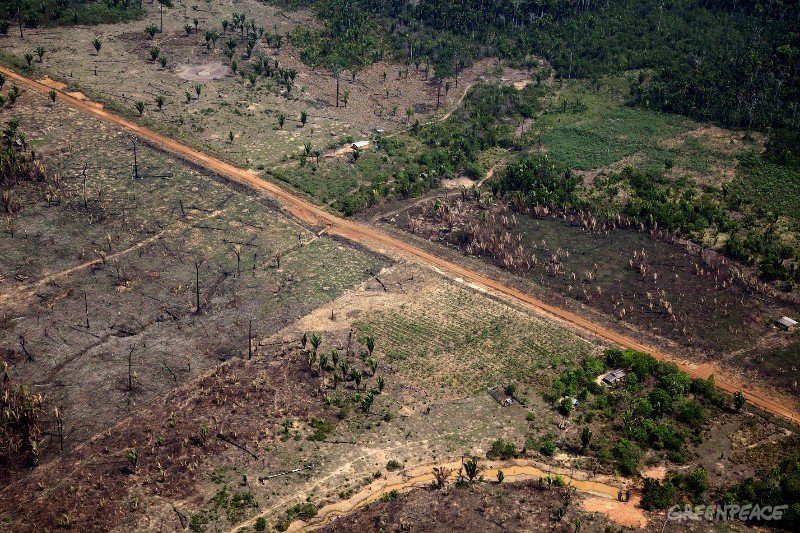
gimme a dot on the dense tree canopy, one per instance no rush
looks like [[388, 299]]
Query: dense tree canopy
[[731, 61]]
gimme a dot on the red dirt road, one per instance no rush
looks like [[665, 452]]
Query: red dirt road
[[376, 239]]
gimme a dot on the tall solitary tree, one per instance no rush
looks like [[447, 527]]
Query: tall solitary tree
[[162, 4]]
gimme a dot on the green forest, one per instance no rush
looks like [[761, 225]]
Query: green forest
[[733, 63], [33, 14], [730, 61]]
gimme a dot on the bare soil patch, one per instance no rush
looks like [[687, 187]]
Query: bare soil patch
[[490, 506], [205, 72]]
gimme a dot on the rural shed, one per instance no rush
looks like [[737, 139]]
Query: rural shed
[[359, 145], [786, 323], [614, 377]]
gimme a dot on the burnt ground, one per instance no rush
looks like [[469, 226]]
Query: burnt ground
[[699, 303], [488, 507], [234, 410], [484, 507]]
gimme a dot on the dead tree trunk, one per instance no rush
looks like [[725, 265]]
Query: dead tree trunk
[[250, 339], [130, 368], [197, 265], [86, 308]]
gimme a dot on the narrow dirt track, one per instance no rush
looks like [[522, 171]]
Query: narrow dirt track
[[422, 476], [378, 240]]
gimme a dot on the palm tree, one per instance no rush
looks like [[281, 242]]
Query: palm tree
[[188, 29], [281, 120], [356, 375], [13, 94], [372, 364], [140, 107], [381, 383], [163, 3], [133, 458], [303, 118], [345, 97], [163, 62], [230, 136], [197, 89], [28, 58], [315, 341], [188, 97], [40, 52], [225, 24], [196, 24], [154, 53], [410, 113], [307, 148], [471, 469], [52, 94], [97, 45], [160, 101], [369, 341], [151, 30]]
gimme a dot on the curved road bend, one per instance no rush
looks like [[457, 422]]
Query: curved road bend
[[371, 237]]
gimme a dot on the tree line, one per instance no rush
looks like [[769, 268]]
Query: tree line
[[730, 61]]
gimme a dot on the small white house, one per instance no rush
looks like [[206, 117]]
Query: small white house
[[359, 145], [786, 323]]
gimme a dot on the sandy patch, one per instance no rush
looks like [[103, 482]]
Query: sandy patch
[[657, 472], [627, 514], [457, 183], [80, 96], [206, 72], [50, 82]]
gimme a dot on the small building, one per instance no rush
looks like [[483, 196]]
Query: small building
[[614, 377], [359, 145], [786, 323]]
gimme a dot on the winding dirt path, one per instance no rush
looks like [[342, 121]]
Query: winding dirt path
[[422, 476], [377, 240]]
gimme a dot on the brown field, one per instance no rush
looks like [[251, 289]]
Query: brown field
[[179, 416], [669, 291], [123, 73]]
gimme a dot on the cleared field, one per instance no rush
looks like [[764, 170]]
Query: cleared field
[[89, 283], [451, 339], [660, 288], [123, 72], [590, 128]]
